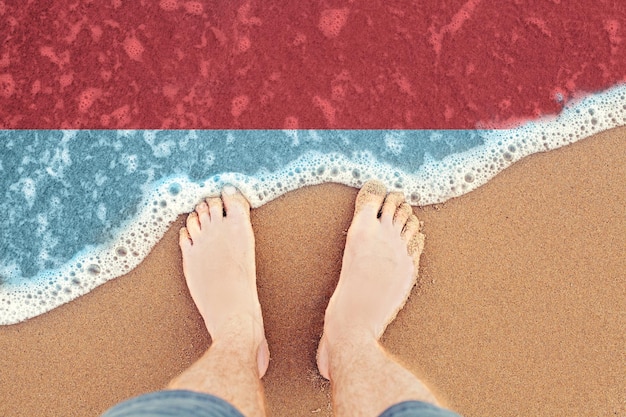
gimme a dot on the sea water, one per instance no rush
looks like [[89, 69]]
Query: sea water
[[83, 207]]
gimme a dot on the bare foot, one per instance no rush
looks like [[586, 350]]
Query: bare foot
[[219, 266], [379, 269]]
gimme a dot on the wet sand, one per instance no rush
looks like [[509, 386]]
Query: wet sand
[[520, 308]]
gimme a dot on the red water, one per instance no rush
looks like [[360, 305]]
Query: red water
[[302, 64]]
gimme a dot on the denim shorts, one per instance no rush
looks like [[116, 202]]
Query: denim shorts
[[181, 403]]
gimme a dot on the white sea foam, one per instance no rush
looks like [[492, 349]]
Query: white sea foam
[[28, 188], [436, 181], [394, 143]]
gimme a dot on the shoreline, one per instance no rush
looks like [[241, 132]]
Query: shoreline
[[457, 173], [517, 309]]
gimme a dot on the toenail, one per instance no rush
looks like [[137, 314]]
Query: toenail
[[229, 190]]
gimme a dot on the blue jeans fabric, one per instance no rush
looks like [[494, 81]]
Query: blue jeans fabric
[[174, 403], [416, 409], [182, 403]]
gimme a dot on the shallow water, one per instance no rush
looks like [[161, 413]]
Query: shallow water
[[83, 207]]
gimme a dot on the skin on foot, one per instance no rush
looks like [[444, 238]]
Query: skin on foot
[[219, 266], [379, 269]]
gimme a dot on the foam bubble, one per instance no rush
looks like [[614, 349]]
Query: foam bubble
[[130, 161], [101, 212], [122, 115], [394, 143], [160, 149], [291, 123], [87, 98], [194, 7], [332, 21], [29, 190], [239, 105], [243, 44], [168, 5], [133, 48]]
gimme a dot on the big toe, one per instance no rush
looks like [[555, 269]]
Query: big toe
[[370, 197], [235, 204]]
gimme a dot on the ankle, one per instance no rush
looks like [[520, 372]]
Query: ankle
[[238, 331], [349, 340], [340, 328]]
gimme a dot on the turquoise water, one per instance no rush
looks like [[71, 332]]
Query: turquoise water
[[83, 207]]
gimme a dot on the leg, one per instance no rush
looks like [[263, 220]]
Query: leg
[[219, 266], [379, 269]]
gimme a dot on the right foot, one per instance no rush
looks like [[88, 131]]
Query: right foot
[[218, 261], [379, 269]]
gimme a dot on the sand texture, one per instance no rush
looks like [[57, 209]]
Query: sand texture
[[520, 308]]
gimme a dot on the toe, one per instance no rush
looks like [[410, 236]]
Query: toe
[[411, 228], [193, 225], [416, 245], [184, 240], [370, 197], [390, 206], [401, 216], [203, 214], [414, 240], [216, 208], [235, 203]]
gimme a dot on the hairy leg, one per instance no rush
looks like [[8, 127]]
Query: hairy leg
[[379, 270], [219, 266]]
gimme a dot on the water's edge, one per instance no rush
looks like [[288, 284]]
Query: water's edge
[[455, 163]]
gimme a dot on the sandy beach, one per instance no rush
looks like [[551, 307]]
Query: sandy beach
[[520, 307]]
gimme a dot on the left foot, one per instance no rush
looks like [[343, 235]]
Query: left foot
[[379, 269], [219, 266]]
